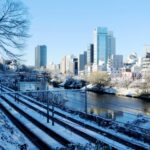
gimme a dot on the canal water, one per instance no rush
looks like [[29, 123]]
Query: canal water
[[106, 105]]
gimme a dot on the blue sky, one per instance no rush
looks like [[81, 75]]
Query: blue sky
[[66, 26]]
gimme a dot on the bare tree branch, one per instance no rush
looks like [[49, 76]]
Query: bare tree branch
[[14, 25]]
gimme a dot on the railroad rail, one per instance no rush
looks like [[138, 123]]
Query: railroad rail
[[65, 142], [30, 135], [88, 137]]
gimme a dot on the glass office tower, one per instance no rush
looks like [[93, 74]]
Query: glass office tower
[[104, 45], [90, 54], [40, 56]]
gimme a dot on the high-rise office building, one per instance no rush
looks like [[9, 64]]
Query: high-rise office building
[[90, 54], [111, 45], [85, 57], [115, 62], [69, 64], [145, 64], [63, 65], [75, 66], [82, 61], [104, 45], [40, 56]]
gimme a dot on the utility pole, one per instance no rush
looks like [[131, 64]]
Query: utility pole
[[85, 98], [53, 110], [1, 86], [15, 97], [47, 108]]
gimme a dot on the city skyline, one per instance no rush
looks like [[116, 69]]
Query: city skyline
[[67, 27]]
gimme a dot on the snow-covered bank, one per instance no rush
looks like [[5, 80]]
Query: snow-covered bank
[[130, 92]]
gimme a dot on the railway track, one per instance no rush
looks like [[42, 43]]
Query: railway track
[[80, 122], [65, 125], [83, 134], [33, 137], [29, 134]]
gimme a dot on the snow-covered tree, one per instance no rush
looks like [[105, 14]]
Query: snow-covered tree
[[101, 78]]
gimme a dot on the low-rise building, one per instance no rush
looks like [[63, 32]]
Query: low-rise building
[[145, 62], [114, 65]]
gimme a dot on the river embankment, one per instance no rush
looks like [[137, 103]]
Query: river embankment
[[129, 92], [97, 88]]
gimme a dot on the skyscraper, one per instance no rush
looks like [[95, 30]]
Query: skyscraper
[[69, 64], [90, 54], [115, 62], [104, 45], [82, 61], [40, 56], [63, 65], [75, 66], [85, 57], [111, 45], [145, 64]]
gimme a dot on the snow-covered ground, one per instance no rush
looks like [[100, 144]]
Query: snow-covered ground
[[133, 92], [69, 133], [64, 131], [57, 128], [10, 137]]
